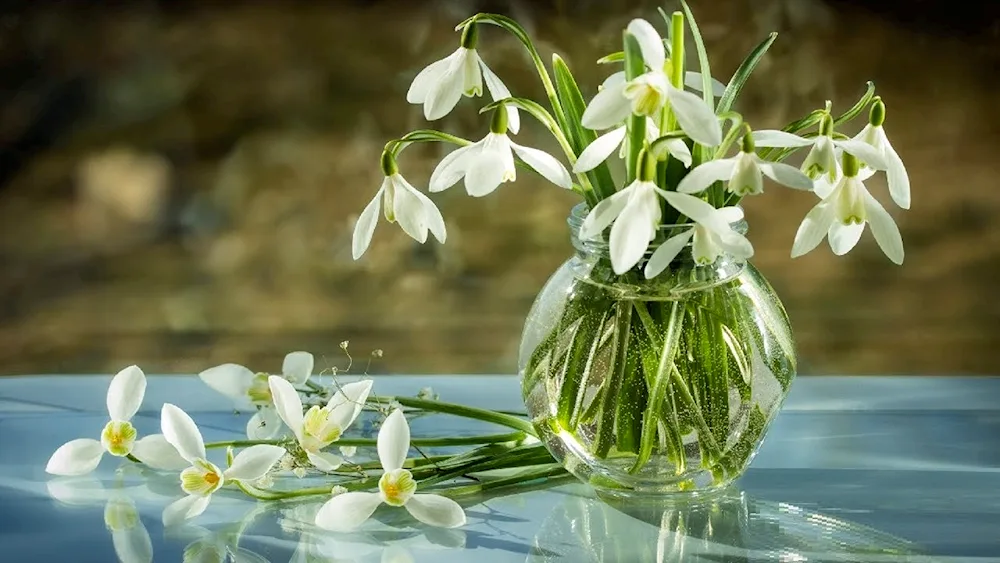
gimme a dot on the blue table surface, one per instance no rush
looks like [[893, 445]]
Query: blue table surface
[[854, 469]]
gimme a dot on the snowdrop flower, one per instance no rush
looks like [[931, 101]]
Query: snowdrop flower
[[603, 146], [636, 214], [125, 394], [320, 426], [842, 214], [416, 213], [396, 488], [712, 234], [441, 84], [647, 94], [874, 135], [822, 157], [202, 477], [249, 390], [743, 173], [489, 162]]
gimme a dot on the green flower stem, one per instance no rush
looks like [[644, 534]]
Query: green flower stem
[[606, 424], [243, 443], [260, 494], [442, 442], [525, 480], [636, 124], [516, 458], [464, 411], [704, 432]]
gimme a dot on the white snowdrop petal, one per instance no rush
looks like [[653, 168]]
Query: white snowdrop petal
[[608, 108], [297, 367], [884, 228], [125, 393], [409, 210], [498, 91], [844, 237], [436, 510], [630, 236], [665, 253], [485, 173], [545, 164], [451, 168], [693, 80], [865, 152], [599, 150], [347, 402], [253, 462], [814, 227], [132, 544], [899, 179], [786, 175], [650, 43], [393, 441], [695, 118], [182, 433], [606, 211], [325, 461], [347, 511], [234, 380], [427, 78], [265, 424], [775, 138], [157, 453], [445, 94], [287, 403], [704, 175], [76, 457]]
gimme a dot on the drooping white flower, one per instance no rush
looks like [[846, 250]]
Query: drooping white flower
[[249, 390], [125, 394], [649, 93], [743, 175], [489, 162], [415, 212], [636, 214], [442, 84], [822, 157], [712, 233], [841, 216], [320, 426], [202, 477], [396, 488], [899, 180], [605, 145]]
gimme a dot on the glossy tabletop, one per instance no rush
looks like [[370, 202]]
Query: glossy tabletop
[[854, 469]]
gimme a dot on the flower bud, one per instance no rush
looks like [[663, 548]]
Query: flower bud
[[646, 166], [826, 125], [850, 164], [388, 163], [498, 124], [747, 144]]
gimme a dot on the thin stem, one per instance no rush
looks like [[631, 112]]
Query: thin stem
[[461, 410], [282, 495], [441, 442], [243, 443], [523, 480]]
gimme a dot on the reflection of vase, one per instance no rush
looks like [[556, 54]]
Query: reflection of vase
[[655, 386], [725, 526]]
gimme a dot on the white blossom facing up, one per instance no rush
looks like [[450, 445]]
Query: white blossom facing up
[[490, 162], [320, 426], [712, 233], [649, 93], [743, 175], [440, 85], [416, 214], [347, 511], [125, 394], [249, 390], [635, 212], [202, 477]]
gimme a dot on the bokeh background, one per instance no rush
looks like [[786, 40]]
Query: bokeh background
[[179, 181]]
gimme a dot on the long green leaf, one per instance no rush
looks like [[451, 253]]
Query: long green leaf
[[742, 74], [579, 136], [424, 136], [858, 107], [703, 65], [634, 67]]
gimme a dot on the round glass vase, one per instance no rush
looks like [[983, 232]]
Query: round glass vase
[[644, 387]]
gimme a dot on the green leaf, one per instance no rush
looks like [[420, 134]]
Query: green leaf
[[703, 67], [579, 136], [530, 106], [634, 67], [742, 74], [858, 107], [618, 57]]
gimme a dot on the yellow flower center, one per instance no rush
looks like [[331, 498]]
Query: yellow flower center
[[396, 487], [118, 438], [318, 432], [202, 479]]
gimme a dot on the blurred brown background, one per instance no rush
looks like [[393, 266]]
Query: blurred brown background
[[179, 180]]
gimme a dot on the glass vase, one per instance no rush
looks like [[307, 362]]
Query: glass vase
[[656, 386]]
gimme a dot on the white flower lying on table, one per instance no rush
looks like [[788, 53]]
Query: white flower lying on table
[[397, 487], [203, 477], [320, 426], [249, 390], [125, 394]]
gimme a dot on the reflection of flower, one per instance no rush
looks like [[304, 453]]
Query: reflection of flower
[[125, 394], [128, 534], [248, 390], [396, 488]]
